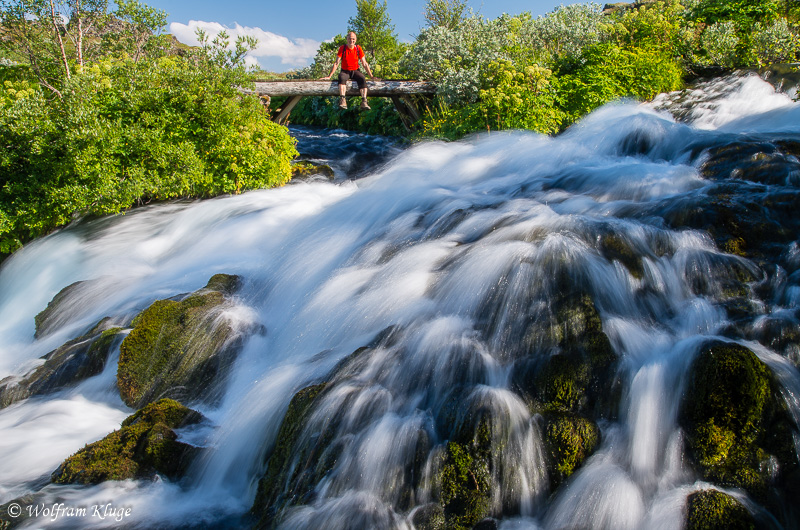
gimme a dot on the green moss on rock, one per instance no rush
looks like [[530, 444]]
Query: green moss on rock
[[735, 419], [570, 440], [302, 169], [279, 485], [145, 444], [574, 376], [177, 349], [465, 483], [714, 510]]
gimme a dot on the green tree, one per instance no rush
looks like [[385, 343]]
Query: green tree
[[137, 30], [375, 32], [445, 13], [51, 35]]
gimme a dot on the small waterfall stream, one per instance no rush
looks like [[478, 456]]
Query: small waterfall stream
[[428, 297]]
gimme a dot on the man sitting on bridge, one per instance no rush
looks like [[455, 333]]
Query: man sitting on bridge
[[349, 55]]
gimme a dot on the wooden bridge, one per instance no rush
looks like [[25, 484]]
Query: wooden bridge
[[399, 91]]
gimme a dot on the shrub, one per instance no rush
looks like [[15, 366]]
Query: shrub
[[608, 72], [125, 133], [774, 42], [720, 43]]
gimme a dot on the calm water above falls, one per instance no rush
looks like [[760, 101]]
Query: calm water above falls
[[449, 261]]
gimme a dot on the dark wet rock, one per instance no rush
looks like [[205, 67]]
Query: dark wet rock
[[714, 510], [780, 333], [429, 517], [754, 161], [615, 248], [54, 316], [180, 349], [71, 363], [307, 448], [487, 524], [13, 514], [146, 444], [288, 477], [736, 423]]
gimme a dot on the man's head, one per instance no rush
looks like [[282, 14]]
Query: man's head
[[351, 38]]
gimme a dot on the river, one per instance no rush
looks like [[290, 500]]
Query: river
[[461, 250]]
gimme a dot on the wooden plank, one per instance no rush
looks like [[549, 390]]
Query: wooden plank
[[287, 108], [331, 88]]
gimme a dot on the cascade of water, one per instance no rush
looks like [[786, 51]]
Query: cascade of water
[[426, 299]]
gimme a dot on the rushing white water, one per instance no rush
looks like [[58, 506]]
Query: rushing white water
[[458, 246]]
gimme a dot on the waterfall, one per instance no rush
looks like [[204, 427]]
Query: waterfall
[[428, 296]]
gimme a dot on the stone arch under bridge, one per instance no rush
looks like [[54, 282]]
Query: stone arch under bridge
[[399, 92]]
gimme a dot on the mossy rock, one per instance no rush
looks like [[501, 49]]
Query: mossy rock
[[574, 375], [570, 440], [429, 517], [303, 454], [465, 485], [735, 419], [615, 248], [69, 364], [714, 510], [287, 468], [179, 349], [304, 169], [146, 444]]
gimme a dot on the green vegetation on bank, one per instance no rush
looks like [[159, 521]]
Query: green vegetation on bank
[[545, 73], [107, 114]]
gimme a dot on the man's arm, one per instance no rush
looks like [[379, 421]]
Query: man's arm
[[335, 66], [366, 66]]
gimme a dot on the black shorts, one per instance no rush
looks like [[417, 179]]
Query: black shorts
[[346, 75]]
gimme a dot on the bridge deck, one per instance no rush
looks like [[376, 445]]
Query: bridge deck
[[398, 90], [331, 88]]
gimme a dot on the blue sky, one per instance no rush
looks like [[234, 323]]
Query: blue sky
[[290, 30]]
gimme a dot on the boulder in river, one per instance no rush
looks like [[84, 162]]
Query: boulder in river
[[180, 349], [67, 365], [145, 445]]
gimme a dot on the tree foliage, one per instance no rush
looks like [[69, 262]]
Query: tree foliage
[[445, 13], [375, 31], [132, 126]]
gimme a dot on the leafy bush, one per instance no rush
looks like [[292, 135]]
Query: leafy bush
[[456, 59], [774, 42], [517, 99], [565, 32], [720, 42], [608, 72], [743, 12], [127, 132], [660, 25]]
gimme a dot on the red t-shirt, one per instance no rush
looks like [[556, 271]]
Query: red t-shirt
[[350, 57]]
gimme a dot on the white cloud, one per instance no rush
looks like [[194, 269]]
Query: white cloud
[[294, 53]]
